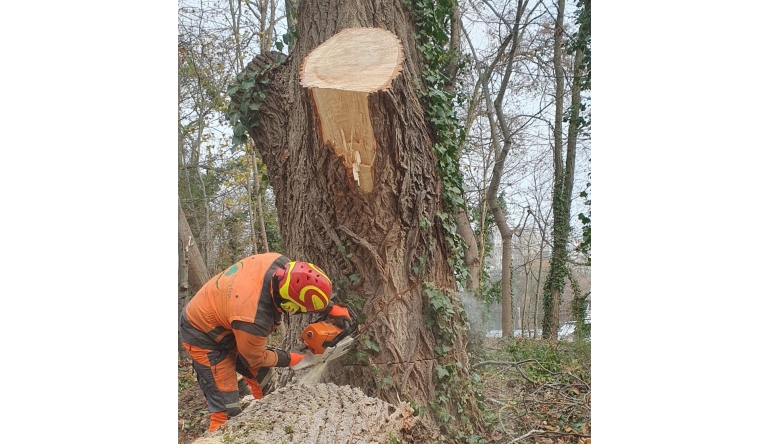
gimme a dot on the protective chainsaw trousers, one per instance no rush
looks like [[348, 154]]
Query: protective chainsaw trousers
[[216, 372]]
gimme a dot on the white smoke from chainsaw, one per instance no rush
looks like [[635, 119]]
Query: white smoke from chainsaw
[[478, 314]]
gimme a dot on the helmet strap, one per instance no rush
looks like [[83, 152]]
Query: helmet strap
[[275, 294]]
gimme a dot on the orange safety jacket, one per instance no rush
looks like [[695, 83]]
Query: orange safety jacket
[[236, 309]]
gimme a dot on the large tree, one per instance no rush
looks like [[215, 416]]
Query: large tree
[[378, 224]]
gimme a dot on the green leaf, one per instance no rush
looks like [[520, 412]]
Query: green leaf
[[279, 45], [232, 90], [370, 344], [239, 130]]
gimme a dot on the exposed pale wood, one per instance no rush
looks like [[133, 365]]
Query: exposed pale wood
[[355, 59], [340, 74]]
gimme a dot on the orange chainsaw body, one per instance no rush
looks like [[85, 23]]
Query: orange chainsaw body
[[319, 335]]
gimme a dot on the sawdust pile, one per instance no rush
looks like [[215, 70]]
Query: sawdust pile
[[316, 414]]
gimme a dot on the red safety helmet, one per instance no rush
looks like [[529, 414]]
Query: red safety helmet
[[303, 287]]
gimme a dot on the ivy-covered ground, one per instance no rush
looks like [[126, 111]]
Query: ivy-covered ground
[[532, 392]]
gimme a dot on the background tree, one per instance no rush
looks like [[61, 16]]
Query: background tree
[[564, 176]]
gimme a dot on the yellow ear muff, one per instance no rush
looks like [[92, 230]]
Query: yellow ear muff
[[290, 307]]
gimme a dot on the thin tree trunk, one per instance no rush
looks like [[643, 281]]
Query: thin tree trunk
[[198, 272], [260, 217], [554, 284], [265, 31], [471, 251], [497, 120], [252, 221], [471, 255], [192, 270], [539, 278], [184, 292], [579, 299]]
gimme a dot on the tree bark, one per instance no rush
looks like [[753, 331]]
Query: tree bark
[[562, 195], [184, 292], [579, 302], [381, 245], [192, 270], [198, 273], [258, 195]]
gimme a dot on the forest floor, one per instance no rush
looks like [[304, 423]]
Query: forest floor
[[532, 392]]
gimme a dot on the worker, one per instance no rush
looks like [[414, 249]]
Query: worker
[[225, 325]]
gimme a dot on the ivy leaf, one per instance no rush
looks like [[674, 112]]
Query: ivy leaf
[[232, 90], [239, 130], [370, 344], [279, 45], [442, 372]]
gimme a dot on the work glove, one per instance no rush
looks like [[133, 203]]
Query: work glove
[[339, 311], [295, 358], [340, 316]]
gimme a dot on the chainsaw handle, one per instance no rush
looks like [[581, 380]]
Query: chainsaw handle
[[348, 327]]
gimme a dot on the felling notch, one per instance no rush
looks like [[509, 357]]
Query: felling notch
[[340, 74]]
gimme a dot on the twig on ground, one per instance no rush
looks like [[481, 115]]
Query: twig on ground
[[535, 431], [516, 364], [584, 383], [495, 400], [479, 364], [548, 432]]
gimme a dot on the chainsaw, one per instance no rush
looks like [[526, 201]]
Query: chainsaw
[[328, 338]]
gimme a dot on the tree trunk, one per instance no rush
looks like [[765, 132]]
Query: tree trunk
[[376, 231], [184, 292], [505, 287], [198, 274], [579, 303], [471, 253], [192, 269], [258, 195], [497, 119], [562, 195]]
